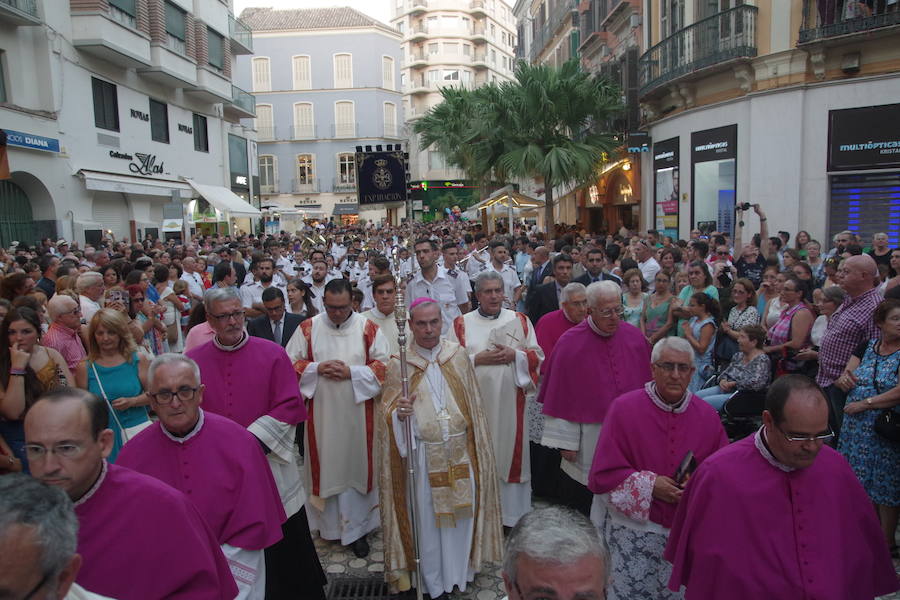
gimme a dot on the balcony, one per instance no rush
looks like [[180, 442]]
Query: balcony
[[212, 86], [344, 130], [305, 132], [268, 188], [340, 185], [563, 14], [111, 36], [242, 105], [305, 185], [241, 35], [170, 67], [417, 60], [479, 33], [480, 61], [19, 12], [418, 33], [477, 7], [722, 38], [823, 22]]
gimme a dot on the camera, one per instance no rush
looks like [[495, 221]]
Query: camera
[[744, 206]]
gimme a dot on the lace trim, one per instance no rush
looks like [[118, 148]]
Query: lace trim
[[87, 496], [766, 454], [634, 496], [193, 432], [677, 408], [244, 339]]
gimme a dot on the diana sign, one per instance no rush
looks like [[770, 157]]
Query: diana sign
[[381, 177], [31, 141]]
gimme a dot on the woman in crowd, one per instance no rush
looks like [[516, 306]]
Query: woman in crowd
[[767, 289], [110, 276], [14, 285], [699, 280], [175, 272], [744, 312], [815, 262], [634, 298], [172, 307], [790, 333], [871, 379], [803, 272], [895, 271], [775, 306], [669, 259], [5, 305], [749, 369], [700, 332], [825, 302], [27, 370], [830, 268], [800, 241], [205, 275], [148, 316], [116, 372], [300, 299], [657, 319], [117, 299]]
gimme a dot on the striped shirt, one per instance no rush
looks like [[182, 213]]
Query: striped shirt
[[850, 325]]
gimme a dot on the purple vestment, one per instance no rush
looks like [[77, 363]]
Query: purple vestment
[[222, 469], [144, 540], [638, 435], [745, 529], [588, 371], [548, 331], [244, 385]]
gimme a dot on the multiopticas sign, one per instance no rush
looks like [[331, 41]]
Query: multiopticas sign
[[864, 138]]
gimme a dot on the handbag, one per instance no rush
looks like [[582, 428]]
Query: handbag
[[887, 425]]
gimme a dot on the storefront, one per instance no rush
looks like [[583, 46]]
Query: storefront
[[346, 214], [864, 171], [614, 201], [714, 179], [667, 187]]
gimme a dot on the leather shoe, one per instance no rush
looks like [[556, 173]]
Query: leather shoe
[[360, 547]]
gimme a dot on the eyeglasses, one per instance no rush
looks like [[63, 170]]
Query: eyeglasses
[[609, 312], [236, 315], [822, 437], [670, 367], [184, 394], [36, 452], [137, 299], [722, 253], [74, 311]]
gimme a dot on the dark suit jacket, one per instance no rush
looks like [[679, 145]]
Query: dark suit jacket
[[545, 270], [262, 327], [604, 276], [541, 300]]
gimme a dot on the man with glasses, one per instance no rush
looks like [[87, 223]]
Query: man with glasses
[[592, 364], [128, 521], [251, 381], [340, 357], [65, 329], [637, 472], [217, 463], [780, 515]]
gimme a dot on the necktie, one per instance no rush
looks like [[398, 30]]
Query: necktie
[[277, 334]]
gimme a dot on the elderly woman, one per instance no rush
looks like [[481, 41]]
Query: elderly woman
[[871, 377], [790, 333], [749, 368], [826, 302]]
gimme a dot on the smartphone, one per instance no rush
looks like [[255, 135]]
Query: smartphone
[[114, 296]]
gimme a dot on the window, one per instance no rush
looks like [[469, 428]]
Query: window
[[262, 74], [390, 119], [401, 27], [265, 122], [346, 169], [451, 48], [268, 174], [216, 50], [302, 73], [387, 72], [3, 76], [432, 49], [159, 122], [201, 138], [175, 28], [493, 31], [344, 119], [305, 173], [123, 11], [467, 49], [106, 104], [434, 76], [451, 74], [304, 127], [493, 56], [237, 157], [343, 71]]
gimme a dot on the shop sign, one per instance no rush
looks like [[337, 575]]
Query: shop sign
[[864, 138], [185, 128], [714, 144], [31, 141], [240, 181], [638, 142], [141, 163], [667, 186], [172, 225], [140, 116]]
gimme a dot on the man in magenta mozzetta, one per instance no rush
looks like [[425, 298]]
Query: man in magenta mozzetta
[[139, 538], [779, 515], [217, 463], [646, 436]]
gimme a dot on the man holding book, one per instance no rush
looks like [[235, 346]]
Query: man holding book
[[639, 478]]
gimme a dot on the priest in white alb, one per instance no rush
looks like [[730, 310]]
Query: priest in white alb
[[507, 358], [456, 496], [340, 357]]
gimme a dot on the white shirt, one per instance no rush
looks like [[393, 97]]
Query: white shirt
[[195, 283], [251, 293], [510, 282], [446, 289], [88, 308], [649, 269]]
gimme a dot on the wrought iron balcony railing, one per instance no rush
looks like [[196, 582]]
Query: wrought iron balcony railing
[[824, 19]]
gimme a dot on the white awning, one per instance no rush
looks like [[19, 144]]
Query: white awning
[[128, 184], [225, 200]]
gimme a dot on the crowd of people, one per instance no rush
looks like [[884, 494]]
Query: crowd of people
[[223, 400]]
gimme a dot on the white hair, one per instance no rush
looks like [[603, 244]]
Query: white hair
[[572, 288], [486, 276], [676, 344], [171, 358], [600, 290], [86, 280], [219, 294]]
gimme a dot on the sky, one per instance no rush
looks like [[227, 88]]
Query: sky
[[378, 9]]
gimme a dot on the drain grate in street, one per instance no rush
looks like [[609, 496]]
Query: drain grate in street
[[358, 588]]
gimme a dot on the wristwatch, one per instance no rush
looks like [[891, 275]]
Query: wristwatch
[[868, 402]]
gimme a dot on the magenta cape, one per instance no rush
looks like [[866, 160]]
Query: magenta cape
[[143, 540], [746, 530], [588, 371], [224, 472], [244, 385], [548, 331], [637, 436]]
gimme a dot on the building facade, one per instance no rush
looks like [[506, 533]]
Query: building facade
[[114, 110], [792, 105], [325, 82]]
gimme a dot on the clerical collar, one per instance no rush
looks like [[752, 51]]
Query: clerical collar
[[429, 354], [761, 443], [87, 496], [189, 435], [487, 316], [243, 342], [596, 330], [334, 325], [568, 319], [677, 408], [378, 314]]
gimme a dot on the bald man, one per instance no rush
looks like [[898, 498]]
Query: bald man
[[64, 332]]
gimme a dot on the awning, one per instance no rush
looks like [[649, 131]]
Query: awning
[[225, 200], [345, 209], [128, 184], [505, 196]]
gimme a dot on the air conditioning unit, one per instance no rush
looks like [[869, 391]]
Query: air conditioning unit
[[635, 21]]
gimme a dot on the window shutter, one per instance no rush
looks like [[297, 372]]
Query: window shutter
[[343, 71], [262, 76], [303, 120], [387, 76], [302, 75]]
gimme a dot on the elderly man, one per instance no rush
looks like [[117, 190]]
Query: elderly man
[[193, 278], [507, 359], [638, 483], [545, 298], [779, 515], [648, 265], [127, 520], [65, 329], [555, 552], [592, 364], [89, 286], [456, 487], [250, 381], [848, 327], [384, 290], [340, 357]]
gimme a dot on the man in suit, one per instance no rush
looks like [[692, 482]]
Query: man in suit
[[545, 297], [276, 324], [540, 261], [596, 269]]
